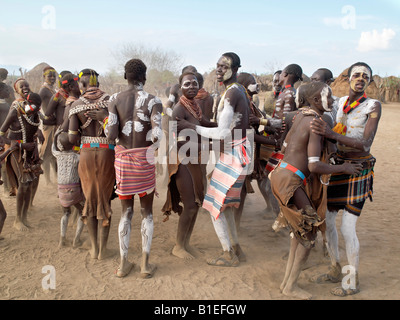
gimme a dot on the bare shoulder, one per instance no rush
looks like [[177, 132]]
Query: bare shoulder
[[376, 104], [328, 119], [235, 92], [178, 111]]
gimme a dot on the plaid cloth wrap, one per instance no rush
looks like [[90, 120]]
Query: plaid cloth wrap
[[228, 178], [350, 192]]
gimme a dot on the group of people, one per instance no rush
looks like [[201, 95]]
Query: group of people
[[310, 157]]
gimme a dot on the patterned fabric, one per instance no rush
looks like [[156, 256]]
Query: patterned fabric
[[67, 166], [228, 178], [273, 161], [347, 191], [134, 170], [70, 194]]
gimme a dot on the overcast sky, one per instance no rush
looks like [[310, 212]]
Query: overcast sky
[[72, 35]]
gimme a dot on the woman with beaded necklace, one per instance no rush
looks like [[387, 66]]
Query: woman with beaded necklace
[[186, 175], [23, 159]]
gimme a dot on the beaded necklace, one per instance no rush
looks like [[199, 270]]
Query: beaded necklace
[[192, 106]]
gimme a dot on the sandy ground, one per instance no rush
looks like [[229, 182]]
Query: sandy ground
[[78, 277]]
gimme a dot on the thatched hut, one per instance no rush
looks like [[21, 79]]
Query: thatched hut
[[35, 76], [391, 88]]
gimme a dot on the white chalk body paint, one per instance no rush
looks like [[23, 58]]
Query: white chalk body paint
[[152, 103], [127, 129], [112, 119], [147, 229], [124, 232], [221, 229], [171, 98], [324, 98], [141, 99], [360, 69], [138, 126], [142, 116]]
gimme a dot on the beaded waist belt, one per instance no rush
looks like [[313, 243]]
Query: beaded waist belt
[[97, 142], [97, 145], [294, 170]]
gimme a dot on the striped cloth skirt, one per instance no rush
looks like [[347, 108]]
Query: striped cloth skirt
[[135, 171], [228, 178]]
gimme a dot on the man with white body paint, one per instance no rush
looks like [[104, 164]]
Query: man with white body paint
[[302, 157], [224, 190], [356, 126], [135, 120]]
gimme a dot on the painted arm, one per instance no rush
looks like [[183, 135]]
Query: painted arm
[[156, 132], [172, 100], [289, 102], [205, 122], [223, 128], [112, 128]]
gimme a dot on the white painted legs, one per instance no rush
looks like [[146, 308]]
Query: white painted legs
[[147, 230], [222, 231], [348, 230]]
